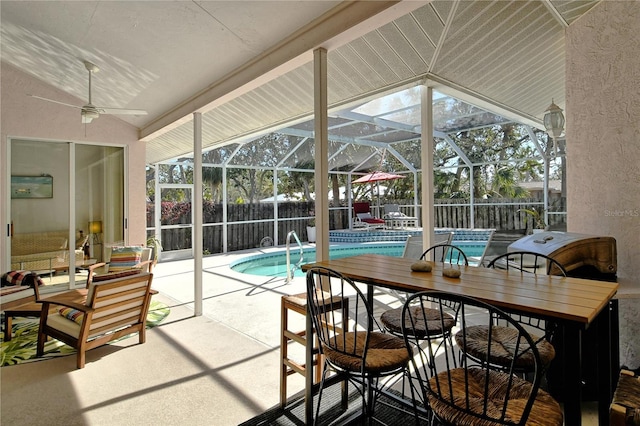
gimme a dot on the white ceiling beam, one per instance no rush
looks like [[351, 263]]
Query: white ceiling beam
[[556, 15]]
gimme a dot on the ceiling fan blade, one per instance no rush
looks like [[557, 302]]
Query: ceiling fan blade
[[55, 102], [122, 111], [90, 111]]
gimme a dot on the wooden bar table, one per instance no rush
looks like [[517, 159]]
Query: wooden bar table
[[573, 303]]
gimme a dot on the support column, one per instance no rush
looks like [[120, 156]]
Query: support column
[[322, 153], [426, 159], [197, 213]]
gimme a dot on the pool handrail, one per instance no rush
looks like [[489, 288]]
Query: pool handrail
[[291, 271]]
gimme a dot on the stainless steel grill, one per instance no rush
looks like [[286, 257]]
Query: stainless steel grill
[[583, 256], [590, 257]]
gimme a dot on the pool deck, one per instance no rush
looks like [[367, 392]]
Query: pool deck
[[229, 295], [242, 303]]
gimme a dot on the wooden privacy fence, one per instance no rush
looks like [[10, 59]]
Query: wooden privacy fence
[[252, 225]]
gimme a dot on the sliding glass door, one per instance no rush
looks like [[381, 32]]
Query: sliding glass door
[[67, 207], [99, 206]]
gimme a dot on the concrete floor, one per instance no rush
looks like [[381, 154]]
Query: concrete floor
[[242, 307]]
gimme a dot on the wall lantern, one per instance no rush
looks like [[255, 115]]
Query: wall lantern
[[554, 123]]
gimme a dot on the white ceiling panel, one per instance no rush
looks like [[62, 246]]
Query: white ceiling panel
[[154, 55]]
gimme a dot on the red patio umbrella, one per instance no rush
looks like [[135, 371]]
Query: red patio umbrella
[[376, 177]]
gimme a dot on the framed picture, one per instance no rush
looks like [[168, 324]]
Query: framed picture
[[31, 187]]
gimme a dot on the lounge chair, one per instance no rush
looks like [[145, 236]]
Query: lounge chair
[[363, 217], [396, 219], [482, 260], [413, 247]]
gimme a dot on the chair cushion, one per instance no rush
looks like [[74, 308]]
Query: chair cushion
[[123, 258], [361, 207], [395, 215], [503, 348], [545, 411], [72, 314], [366, 217], [392, 320], [386, 352], [60, 323]]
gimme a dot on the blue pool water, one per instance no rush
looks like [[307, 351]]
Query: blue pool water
[[275, 264]]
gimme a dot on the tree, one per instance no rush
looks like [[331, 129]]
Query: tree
[[496, 151], [297, 180], [212, 175]]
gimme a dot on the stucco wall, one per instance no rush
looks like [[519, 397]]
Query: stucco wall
[[603, 145], [22, 116]]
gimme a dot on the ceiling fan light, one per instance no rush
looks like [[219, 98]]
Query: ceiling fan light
[[88, 116]]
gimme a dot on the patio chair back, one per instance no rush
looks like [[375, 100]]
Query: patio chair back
[[542, 332], [445, 253], [391, 208], [413, 247], [361, 207], [529, 262]]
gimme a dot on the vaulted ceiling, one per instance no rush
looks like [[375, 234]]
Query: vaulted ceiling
[[247, 65]]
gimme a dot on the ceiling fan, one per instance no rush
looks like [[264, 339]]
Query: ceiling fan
[[90, 111]]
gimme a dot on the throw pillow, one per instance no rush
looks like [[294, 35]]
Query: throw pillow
[[72, 314], [21, 277], [14, 277], [124, 258]]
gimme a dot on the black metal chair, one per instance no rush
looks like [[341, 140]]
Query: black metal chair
[[459, 391], [541, 331], [391, 319], [444, 253], [530, 262], [351, 342]]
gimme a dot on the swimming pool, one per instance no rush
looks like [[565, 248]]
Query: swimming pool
[[275, 264]]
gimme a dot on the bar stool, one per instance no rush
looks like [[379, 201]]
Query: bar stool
[[298, 303]]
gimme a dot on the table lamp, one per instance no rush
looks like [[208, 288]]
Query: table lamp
[[95, 228]]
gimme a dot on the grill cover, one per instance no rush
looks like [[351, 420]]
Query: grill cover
[[573, 251]]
